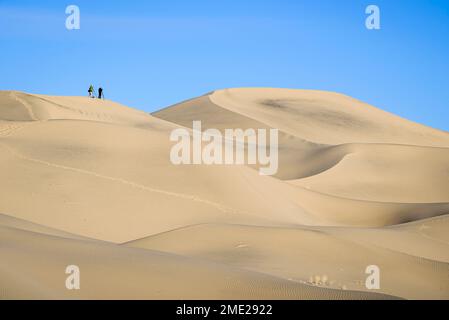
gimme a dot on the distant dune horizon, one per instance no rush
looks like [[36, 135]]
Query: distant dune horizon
[[89, 182]]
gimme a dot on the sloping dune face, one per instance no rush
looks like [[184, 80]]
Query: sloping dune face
[[90, 183], [349, 162]]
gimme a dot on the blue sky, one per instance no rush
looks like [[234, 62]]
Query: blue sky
[[151, 54]]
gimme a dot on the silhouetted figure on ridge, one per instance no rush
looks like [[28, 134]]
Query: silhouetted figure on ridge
[[91, 91]]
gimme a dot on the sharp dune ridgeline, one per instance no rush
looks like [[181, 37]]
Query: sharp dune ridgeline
[[89, 182]]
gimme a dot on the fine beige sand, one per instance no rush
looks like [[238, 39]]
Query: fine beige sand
[[88, 182]]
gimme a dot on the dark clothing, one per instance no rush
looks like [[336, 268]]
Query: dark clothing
[[100, 93]]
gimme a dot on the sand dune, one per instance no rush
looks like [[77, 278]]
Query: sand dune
[[386, 172], [309, 255], [90, 183], [356, 174], [32, 266], [326, 117]]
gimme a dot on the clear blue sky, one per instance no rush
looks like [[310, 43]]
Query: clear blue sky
[[151, 54]]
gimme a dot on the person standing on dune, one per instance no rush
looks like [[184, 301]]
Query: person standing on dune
[[91, 91], [100, 93]]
